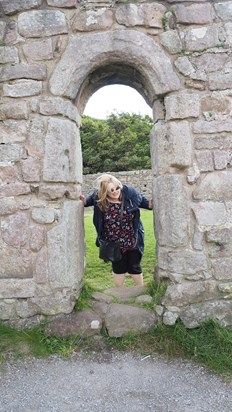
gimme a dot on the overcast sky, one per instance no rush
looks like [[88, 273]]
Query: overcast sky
[[116, 99]]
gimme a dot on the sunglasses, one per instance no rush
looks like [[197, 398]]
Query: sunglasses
[[112, 190]]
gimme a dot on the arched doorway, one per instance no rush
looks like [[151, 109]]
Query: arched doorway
[[126, 57], [115, 137]]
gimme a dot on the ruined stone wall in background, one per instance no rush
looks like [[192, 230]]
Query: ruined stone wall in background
[[139, 179], [54, 54]]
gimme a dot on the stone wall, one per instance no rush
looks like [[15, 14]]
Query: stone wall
[[139, 179], [54, 55]]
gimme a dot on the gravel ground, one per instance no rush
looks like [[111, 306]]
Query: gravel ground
[[105, 382]]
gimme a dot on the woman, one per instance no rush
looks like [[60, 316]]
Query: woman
[[113, 224]]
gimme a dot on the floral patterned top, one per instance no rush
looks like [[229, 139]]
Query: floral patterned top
[[116, 228]]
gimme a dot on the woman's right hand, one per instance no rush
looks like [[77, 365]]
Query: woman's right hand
[[83, 198]]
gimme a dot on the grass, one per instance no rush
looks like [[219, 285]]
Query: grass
[[98, 273], [209, 345]]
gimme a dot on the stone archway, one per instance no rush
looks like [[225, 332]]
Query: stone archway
[[54, 55]]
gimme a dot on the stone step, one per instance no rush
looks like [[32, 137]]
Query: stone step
[[118, 319]]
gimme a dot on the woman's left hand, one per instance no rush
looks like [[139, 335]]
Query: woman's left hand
[[150, 204]]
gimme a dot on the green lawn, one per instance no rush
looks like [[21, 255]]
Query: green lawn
[[98, 273]]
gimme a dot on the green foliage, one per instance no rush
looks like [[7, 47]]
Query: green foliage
[[121, 142], [85, 296]]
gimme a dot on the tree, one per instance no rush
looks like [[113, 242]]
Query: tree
[[120, 142]]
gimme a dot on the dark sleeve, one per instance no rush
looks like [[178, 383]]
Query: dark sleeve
[[90, 200], [140, 199], [144, 204]]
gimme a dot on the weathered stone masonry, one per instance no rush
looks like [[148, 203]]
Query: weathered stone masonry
[[54, 55]]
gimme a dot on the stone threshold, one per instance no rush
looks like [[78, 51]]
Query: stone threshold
[[111, 311]]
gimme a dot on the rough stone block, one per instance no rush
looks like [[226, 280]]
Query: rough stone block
[[228, 28], [62, 3], [43, 215], [22, 88], [220, 236], [194, 315], [54, 304], [8, 174], [18, 110], [14, 189], [148, 15], [25, 309], [52, 192], [171, 41], [229, 212], [222, 159], [17, 130], [186, 262], [9, 135], [8, 206], [41, 267], [222, 268], [16, 288], [215, 186], [15, 263], [2, 29], [23, 71], [38, 50], [66, 248], [171, 211], [40, 23], [194, 13], [193, 174], [15, 229], [7, 310], [198, 239], [123, 319], [57, 105], [210, 213], [216, 104], [215, 126], [11, 7], [62, 160], [10, 153], [35, 143], [226, 289], [83, 323], [37, 238], [224, 10], [184, 66], [182, 105], [171, 145], [88, 20], [190, 292], [8, 54], [213, 142], [31, 170], [170, 318], [205, 161], [220, 80], [201, 38]]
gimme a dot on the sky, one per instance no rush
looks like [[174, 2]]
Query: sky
[[116, 99]]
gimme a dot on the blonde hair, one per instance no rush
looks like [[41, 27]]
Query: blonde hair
[[102, 185]]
